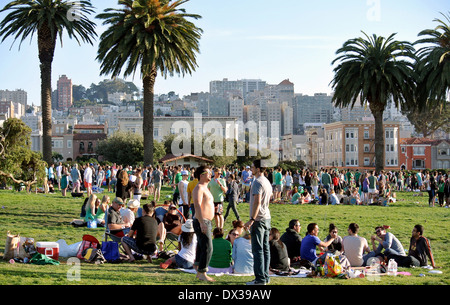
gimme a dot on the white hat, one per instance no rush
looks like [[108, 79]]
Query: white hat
[[184, 173], [187, 226], [133, 203]]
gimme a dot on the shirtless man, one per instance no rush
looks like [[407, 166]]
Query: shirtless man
[[204, 213]]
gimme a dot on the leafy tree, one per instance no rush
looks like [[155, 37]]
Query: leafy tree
[[433, 64], [18, 163], [127, 149], [149, 36], [436, 118], [374, 70], [49, 18]]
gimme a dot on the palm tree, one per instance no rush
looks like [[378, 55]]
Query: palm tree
[[152, 34], [374, 70], [433, 64], [49, 18]]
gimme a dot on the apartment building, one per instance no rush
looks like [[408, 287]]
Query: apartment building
[[352, 144]]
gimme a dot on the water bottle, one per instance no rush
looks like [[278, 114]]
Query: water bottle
[[392, 267]]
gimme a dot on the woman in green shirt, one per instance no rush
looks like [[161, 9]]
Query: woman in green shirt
[[221, 261]]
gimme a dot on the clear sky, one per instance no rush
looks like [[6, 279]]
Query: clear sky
[[242, 39]]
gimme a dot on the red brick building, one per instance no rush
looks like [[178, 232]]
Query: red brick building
[[86, 138], [415, 153]]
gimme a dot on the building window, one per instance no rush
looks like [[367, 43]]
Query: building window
[[366, 148], [366, 134], [419, 151]]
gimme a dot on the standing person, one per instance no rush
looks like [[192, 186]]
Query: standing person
[[260, 224], [278, 181], [191, 185], [176, 180], [233, 197], [184, 198], [157, 176], [108, 178], [355, 246], [204, 213], [100, 177], [315, 184], [88, 178], [326, 180], [137, 185], [59, 170], [76, 178], [64, 181], [218, 188], [372, 179]]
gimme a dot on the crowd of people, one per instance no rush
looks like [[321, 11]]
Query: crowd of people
[[195, 214]]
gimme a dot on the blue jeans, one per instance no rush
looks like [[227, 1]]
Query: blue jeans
[[204, 246], [261, 250]]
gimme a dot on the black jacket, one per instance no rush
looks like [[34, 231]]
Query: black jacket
[[293, 242]]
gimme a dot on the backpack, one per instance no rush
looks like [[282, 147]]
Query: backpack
[[94, 256], [110, 251], [89, 241]]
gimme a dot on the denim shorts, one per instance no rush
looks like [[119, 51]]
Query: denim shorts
[[182, 263], [131, 242]]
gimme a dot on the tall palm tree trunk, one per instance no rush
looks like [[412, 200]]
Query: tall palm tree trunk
[[147, 126], [377, 113], [46, 45]]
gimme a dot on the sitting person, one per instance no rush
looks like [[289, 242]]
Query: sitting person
[[355, 246], [221, 255], [297, 195], [129, 214], [116, 225], [172, 221], [310, 243], [242, 255], [279, 259], [387, 242], [232, 235], [306, 197], [323, 196], [292, 239], [334, 200], [419, 251], [336, 245], [101, 210], [187, 247], [238, 225], [91, 208], [146, 229], [355, 198]]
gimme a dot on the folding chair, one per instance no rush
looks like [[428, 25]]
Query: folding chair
[[171, 241]]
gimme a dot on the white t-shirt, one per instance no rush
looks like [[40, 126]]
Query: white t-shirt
[[88, 175], [188, 253], [182, 188], [354, 249]]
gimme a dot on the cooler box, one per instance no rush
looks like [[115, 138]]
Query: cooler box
[[51, 249]]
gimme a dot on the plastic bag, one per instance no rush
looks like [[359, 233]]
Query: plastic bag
[[332, 266]]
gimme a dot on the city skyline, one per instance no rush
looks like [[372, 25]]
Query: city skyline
[[253, 39]]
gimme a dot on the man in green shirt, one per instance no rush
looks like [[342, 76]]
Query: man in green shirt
[[326, 180], [372, 186], [218, 188], [177, 178], [278, 180]]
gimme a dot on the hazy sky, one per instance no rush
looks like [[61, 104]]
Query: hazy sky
[[252, 39]]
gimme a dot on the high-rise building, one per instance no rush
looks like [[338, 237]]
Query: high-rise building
[[16, 96], [64, 87], [312, 109]]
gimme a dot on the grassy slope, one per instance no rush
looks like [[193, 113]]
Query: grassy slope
[[46, 217]]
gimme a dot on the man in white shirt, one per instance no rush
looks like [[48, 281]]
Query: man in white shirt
[[182, 188], [355, 246], [59, 174], [87, 177]]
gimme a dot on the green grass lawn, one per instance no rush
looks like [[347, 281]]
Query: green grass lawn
[[46, 217]]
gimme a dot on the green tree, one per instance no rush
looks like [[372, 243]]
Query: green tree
[[436, 118], [152, 36], [127, 149], [18, 163], [374, 70], [433, 64], [49, 18]]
